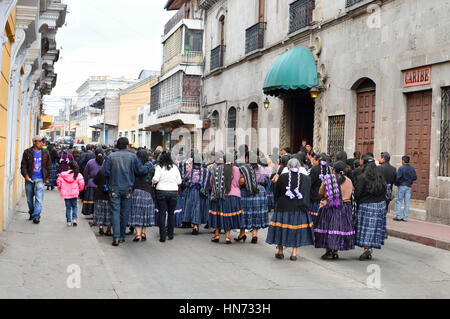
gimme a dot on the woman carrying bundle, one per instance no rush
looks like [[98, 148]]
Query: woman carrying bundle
[[318, 172], [90, 171], [225, 197], [291, 224], [334, 229], [255, 211]]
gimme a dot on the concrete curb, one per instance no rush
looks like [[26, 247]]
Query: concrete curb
[[419, 239]]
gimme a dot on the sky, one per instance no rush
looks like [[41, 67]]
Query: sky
[[106, 37]]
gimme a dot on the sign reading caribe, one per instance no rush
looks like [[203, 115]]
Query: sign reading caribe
[[415, 77]]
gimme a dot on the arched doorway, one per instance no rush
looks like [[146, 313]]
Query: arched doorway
[[365, 115]]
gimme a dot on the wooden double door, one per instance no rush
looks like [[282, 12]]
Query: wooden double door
[[365, 121], [418, 140]]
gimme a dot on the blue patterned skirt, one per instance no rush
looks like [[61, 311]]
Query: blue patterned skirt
[[334, 228], [88, 201], [269, 193], [314, 212], [55, 168], [255, 210], [142, 212], [102, 213], [370, 225], [225, 213], [290, 229], [194, 207]]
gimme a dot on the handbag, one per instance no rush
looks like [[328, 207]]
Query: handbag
[[389, 196]]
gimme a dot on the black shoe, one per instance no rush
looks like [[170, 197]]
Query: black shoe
[[195, 231], [143, 237], [335, 256], [137, 238], [101, 231], [115, 242], [366, 255], [36, 221], [162, 240], [53, 187], [30, 218], [293, 258], [328, 255], [170, 237]]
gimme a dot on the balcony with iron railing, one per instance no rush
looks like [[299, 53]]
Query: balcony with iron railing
[[217, 57], [300, 14], [186, 58], [254, 37], [184, 105]]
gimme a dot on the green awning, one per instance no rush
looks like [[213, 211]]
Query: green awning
[[295, 69]]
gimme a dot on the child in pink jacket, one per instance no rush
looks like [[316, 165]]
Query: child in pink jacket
[[70, 183]]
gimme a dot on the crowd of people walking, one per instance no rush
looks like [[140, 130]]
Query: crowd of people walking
[[334, 203]]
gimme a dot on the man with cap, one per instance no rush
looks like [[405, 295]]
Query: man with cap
[[36, 168]]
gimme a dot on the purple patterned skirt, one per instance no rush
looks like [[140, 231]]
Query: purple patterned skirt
[[334, 228]]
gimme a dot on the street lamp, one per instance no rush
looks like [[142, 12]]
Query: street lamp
[[266, 103], [314, 92]]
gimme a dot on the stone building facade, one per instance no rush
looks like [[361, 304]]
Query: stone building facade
[[383, 81]]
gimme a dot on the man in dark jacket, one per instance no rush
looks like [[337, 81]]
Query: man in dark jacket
[[389, 173], [406, 175], [36, 168], [120, 169]]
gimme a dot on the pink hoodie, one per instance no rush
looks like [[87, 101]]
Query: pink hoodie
[[69, 187]]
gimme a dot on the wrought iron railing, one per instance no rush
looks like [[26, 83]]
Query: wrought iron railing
[[254, 37], [300, 14], [444, 158], [349, 3], [187, 105], [336, 127], [217, 57]]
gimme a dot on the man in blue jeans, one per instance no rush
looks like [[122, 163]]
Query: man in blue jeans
[[406, 175], [120, 169], [36, 168]]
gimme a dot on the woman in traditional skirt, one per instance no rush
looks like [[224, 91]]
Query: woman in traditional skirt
[[334, 229], [291, 224], [370, 191], [319, 170], [193, 212], [102, 212], [225, 197], [142, 211], [266, 170], [255, 211], [90, 171]]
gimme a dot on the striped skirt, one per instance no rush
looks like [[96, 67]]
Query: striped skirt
[[224, 213], [290, 229], [370, 226], [269, 193], [142, 212], [193, 211], [255, 210], [334, 228], [55, 168], [314, 212], [102, 213], [88, 201]]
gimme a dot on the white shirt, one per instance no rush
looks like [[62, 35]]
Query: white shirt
[[167, 180]]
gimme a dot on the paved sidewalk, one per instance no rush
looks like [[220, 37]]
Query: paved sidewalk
[[35, 258], [431, 234]]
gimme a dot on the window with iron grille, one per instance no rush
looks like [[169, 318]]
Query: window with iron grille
[[194, 41], [444, 159], [300, 14], [154, 98], [254, 37], [349, 3], [141, 118], [217, 57], [336, 125]]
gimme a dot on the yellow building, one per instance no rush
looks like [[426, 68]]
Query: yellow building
[[9, 32], [26, 41], [131, 99]]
